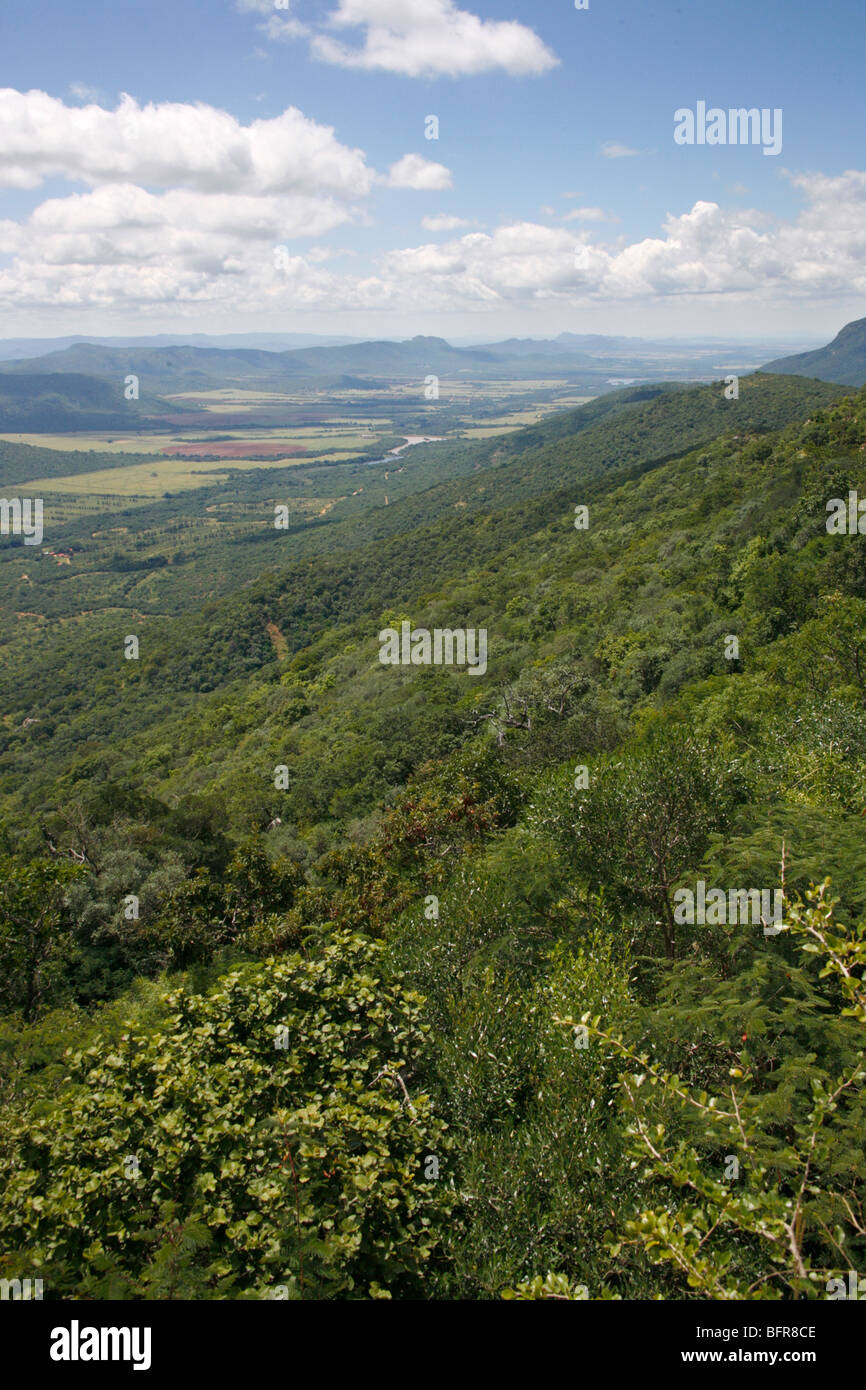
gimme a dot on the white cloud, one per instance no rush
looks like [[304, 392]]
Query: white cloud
[[585, 215], [611, 150], [124, 208], [708, 250], [414, 171], [173, 144], [126, 249], [431, 38], [415, 38], [123, 248], [185, 204], [516, 261], [443, 222]]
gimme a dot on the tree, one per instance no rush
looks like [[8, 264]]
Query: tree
[[788, 1216], [829, 651], [36, 941], [643, 820], [263, 1139]]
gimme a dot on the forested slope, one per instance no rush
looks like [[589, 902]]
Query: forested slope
[[460, 902]]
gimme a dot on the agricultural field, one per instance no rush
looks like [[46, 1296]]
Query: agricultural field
[[517, 419], [93, 443], [306, 440], [312, 428]]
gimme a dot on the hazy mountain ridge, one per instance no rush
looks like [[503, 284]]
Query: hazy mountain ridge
[[183, 366], [843, 360], [12, 349], [46, 401]]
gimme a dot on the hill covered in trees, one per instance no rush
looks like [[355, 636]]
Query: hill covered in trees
[[325, 978], [36, 401], [843, 360]]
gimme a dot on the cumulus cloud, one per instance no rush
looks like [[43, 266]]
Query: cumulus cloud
[[173, 144], [122, 248], [707, 250], [414, 171], [185, 204], [418, 38], [514, 262], [125, 210], [125, 248]]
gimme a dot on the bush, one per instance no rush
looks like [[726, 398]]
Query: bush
[[262, 1141]]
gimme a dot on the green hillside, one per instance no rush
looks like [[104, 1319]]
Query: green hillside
[[420, 930], [843, 360], [43, 401], [507, 490]]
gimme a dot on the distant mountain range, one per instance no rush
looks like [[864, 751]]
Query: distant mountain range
[[167, 370], [589, 360], [586, 344], [14, 348], [593, 344], [80, 384], [842, 361]]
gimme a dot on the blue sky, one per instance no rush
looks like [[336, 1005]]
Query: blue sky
[[151, 179]]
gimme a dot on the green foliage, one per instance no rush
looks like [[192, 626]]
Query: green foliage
[[249, 904], [552, 1286], [206, 1156], [36, 940], [643, 819], [785, 1215], [441, 813]]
